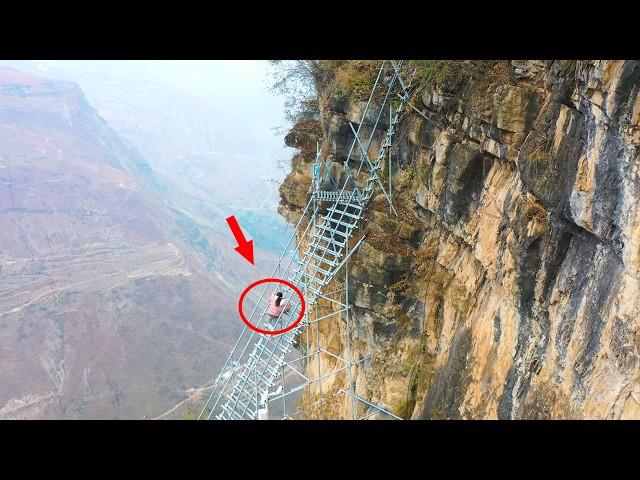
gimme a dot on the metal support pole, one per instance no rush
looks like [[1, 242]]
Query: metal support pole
[[348, 331], [284, 388], [375, 175], [389, 155], [379, 408], [318, 350], [255, 379], [306, 367]]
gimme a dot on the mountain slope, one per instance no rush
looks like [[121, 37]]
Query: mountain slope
[[111, 303], [210, 157]]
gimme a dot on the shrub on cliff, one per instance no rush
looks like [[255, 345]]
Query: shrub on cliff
[[299, 82]]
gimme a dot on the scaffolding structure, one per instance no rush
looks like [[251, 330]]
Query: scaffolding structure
[[258, 363]]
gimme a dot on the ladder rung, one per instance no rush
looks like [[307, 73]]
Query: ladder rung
[[267, 368], [337, 248], [246, 394], [231, 413], [258, 357], [250, 381], [330, 240], [313, 290], [317, 282], [282, 347], [335, 196], [346, 204], [243, 394], [341, 212], [320, 259], [317, 269], [251, 414], [329, 243], [317, 285], [239, 402], [266, 358], [326, 228], [335, 253], [339, 222], [249, 396]]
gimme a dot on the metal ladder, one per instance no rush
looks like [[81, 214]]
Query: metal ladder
[[326, 237]]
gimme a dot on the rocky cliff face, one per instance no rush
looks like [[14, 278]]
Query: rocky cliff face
[[507, 286]]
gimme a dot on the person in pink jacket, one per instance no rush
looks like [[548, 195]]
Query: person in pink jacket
[[277, 305]]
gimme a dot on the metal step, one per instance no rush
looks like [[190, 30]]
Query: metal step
[[330, 240], [339, 222], [250, 380], [320, 259], [315, 292], [327, 228], [316, 268], [249, 397], [248, 390], [240, 406], [232, 415], [317, 280], [335, 196], [335, 252], [342, 213], [357, 206], [282, 348], [264, 359]]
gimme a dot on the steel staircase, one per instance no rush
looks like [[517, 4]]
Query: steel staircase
[[326, 238]]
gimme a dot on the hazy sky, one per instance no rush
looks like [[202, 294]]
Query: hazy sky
[[209, 79], [240, 86], [234, 90]]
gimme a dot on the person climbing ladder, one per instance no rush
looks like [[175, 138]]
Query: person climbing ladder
[[277, 307]]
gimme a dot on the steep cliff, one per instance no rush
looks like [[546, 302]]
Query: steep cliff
[[507, 286]]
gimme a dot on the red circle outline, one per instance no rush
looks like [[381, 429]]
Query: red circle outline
[[272, 332]]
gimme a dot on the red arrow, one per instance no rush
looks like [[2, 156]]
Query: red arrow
[[244, 248]]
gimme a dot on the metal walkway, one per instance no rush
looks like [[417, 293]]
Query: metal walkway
[[326, 233]]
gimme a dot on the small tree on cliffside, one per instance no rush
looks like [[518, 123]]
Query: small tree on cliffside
[[299, 81]]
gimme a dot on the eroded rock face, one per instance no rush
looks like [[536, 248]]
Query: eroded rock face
[[507, 287]]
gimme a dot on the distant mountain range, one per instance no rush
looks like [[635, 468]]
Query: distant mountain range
[[118, 279], [212, 158]]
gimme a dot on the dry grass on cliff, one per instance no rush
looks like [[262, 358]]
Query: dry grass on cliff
[[355, 78], [322, 407], [539, 155], [448, 75], [387, 243], [499, 74], [426, 269], [533, 210], [379, 204], [404, 287], [308, 126]]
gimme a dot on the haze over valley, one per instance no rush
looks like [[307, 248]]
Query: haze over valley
[[118, 278]]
